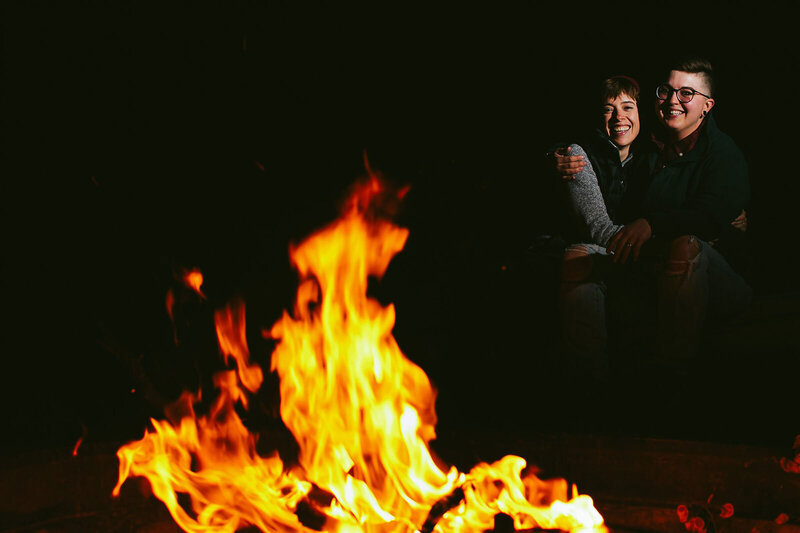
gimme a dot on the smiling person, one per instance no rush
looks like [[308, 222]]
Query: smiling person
[[699, 184], [595, 194], [600, 197], [695, 184]]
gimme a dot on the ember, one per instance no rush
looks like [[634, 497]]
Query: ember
[[194, 279], [361, 412], [77, 447]]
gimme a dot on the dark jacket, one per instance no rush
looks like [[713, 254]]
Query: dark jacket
[[622, 186], [701, 192], [611, 173]]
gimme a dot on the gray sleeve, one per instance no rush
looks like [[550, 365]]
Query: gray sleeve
[[587, 204]]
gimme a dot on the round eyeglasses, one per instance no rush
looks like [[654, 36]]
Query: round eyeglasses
[[685, 94]]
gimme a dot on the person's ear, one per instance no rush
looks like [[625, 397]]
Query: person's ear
[[708, 105]]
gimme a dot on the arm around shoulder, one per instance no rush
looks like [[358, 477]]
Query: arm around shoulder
[[587, 202]]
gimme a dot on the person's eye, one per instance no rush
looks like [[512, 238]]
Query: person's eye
[[607, 110], [686, 93]]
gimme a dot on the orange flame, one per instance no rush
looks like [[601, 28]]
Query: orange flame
[[77, 447], [232, 337], [170, 304], [361, 412], [194, 279]]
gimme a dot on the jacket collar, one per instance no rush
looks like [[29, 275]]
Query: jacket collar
[[609, 147], [686, 150]]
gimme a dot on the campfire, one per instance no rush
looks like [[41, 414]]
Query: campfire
[[361, 413]]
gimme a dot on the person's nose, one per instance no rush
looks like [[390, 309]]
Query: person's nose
[[673, 97]]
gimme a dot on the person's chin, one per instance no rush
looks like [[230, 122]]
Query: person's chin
[[672, 122], [622, 139]]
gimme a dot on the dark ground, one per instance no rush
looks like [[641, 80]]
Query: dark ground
[[143, 140]]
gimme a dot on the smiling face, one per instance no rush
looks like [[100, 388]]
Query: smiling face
[[682, 118], [621, 122]]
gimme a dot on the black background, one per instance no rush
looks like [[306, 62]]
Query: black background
[[144, 138]]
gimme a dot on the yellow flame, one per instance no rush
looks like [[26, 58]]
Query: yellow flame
[[530, 501], [232, 337], [361, 412]]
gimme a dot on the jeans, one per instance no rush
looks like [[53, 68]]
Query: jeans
[[686, 294]]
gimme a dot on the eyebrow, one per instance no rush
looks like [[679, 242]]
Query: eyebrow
[[679, 88]]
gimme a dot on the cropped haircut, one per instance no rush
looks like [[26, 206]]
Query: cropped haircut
[[697, 65], [613, 87]]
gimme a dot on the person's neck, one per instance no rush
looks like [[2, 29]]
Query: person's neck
[[674, 137], [678, 136], [623, 152]]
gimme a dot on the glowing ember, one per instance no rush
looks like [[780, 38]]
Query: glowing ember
[[84, 434], [170, 303], [361, 412], [194, 279], [77, 447]]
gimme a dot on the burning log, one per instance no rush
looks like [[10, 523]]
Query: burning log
[[503, 523], [311, 510], [440, 508]]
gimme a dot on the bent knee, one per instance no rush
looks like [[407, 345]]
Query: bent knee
[[576, 264], [684, 248], [683, 251]]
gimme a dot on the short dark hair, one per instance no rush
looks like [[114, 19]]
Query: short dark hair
[[697, 65], [616, 85]]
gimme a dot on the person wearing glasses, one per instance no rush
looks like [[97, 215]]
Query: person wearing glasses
[[698, 184]]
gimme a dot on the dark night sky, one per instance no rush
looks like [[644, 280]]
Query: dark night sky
[[142, 139]]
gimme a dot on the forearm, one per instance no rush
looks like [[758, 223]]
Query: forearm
[[706, 215], [587, 204], [708, 211], [674, 223]]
